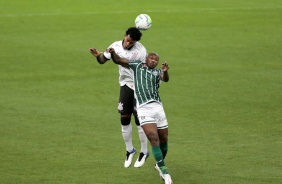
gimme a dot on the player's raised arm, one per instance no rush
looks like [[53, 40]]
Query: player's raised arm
[[164, 74], [99, 55], [118, 60]]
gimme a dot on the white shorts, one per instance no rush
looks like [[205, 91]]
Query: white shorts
[[152, 113]]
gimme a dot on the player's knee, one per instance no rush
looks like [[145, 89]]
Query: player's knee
[[153, 138], [125, 120]]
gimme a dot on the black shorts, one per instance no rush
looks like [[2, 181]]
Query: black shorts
[[127, 101]]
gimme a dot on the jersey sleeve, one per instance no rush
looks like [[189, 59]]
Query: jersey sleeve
[[132, 64], [107, 54]]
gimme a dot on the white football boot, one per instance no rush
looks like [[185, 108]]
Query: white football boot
[[167, 179], [141, 159], [128, 159]]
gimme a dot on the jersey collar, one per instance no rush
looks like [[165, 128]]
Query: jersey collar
[[129, 47]]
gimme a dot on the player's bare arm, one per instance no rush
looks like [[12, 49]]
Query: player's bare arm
[[164, 74], [116, 59], [99, 56]]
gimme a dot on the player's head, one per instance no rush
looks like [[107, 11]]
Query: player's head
[[132, 35], [152, 60]]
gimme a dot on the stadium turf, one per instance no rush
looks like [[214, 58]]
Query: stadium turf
[[58, 106]]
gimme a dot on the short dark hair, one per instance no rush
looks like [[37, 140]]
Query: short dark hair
[[153, 53], [134, 33]]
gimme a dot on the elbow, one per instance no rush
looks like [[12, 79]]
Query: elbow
[[101, 62]]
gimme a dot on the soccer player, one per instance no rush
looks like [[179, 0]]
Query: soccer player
[[147, 79], [132, 49]]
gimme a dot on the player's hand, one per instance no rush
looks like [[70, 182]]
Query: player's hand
[[94, 52], [165, 66], [111, 50]]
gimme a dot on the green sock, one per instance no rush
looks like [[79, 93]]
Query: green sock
[[164, 148], [158, 156], [163, 169]]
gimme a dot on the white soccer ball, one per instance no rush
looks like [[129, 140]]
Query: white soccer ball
[[143, 22]]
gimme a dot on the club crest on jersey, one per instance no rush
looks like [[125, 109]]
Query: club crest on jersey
[[120, 106], [134, 55]]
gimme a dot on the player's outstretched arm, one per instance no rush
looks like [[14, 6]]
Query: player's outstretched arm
[[116, 59], [99, 55], [164, 74]]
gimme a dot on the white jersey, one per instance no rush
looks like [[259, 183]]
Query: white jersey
[[137, 52]]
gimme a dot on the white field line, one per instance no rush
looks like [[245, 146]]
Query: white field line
[[213, 10]]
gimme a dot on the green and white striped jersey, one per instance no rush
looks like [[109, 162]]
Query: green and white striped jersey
[[146, 82]]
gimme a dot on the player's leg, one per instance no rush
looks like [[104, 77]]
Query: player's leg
[[163, 138], [151, 131], [127, 137], [144, 153], [150, 122], [162, 129], [146, 115], [125, 109]]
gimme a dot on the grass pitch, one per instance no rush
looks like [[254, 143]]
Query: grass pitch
[[58, 107]]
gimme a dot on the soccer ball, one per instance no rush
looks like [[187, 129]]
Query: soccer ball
[[143, 22]]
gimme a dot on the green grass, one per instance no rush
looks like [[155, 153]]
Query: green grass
[[58, 107]]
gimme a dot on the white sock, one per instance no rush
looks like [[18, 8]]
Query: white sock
[[127, 136], [143, 139]]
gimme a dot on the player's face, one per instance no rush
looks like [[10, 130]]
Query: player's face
[[128, 42], [152, 61]]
